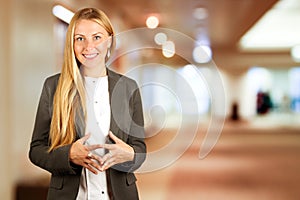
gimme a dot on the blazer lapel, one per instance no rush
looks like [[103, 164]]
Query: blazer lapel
[[112, 81], [119, 105], [80, 123]]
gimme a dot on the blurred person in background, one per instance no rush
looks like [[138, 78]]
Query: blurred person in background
[[263, 103], [89, 126]]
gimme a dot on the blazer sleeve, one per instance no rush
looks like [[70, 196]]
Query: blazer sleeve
[[137, 131], [135, 135], [57, 161]]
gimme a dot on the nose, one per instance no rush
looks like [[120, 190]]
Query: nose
[[89, 44]]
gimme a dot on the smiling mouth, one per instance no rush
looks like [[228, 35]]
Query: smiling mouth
[[90, 56]]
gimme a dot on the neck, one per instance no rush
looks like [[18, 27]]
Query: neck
[[94, 72]]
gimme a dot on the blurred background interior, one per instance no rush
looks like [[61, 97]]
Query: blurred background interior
[[222, 74]]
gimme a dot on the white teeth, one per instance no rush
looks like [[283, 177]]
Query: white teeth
[[90, 55]]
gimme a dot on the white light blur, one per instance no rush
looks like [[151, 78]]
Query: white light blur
[[278, 29], [200, 13], [160, 38], [259, 79], [152, 22], [62, 13], [168, 49], [191, 74], [295, 53], [202, 54], [294, 76]]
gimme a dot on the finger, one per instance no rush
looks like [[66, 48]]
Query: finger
[[90, 168], [94, 146], [107, 164], [105, 158], [105, 167], [113, 137], [84, 138], [97, 158], [108, 146], [92, 164], [90, 156]]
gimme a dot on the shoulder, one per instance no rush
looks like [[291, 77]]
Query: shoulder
[[121, 79], [50, 83], [52, 80]]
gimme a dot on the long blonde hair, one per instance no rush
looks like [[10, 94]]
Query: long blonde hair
[[69, 98]]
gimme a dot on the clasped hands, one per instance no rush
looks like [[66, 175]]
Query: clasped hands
[[119, 152]]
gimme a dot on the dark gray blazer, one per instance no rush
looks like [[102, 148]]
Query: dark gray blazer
[[127, 123]]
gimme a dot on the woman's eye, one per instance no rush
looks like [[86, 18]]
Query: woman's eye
[[79, 39], [97, 37]]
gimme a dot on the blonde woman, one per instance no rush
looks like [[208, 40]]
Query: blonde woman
[[89, 130]]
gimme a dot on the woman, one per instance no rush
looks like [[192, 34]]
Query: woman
[[89, 130]]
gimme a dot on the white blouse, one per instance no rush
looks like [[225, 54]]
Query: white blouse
[[92, 186]]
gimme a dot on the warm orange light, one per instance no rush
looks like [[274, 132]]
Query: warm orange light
[[152, 22]]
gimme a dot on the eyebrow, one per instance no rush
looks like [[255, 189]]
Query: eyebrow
[[80, 34]]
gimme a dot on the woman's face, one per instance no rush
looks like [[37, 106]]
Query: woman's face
[[91, 42]]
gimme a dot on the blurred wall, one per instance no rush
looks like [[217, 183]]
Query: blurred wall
[[5, 152], [235, 85], [27, 57]]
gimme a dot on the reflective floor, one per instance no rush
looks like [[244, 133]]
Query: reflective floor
[[258, 161]]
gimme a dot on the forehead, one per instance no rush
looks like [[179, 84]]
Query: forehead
[[87, 27]]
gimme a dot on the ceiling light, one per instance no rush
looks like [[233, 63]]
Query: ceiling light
[[278, 29], [152, 22], [168, 49], [200, 13], [202, 54], [62, 13], [160, 38], [295, 53]]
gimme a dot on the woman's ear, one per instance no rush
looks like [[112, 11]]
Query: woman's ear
[[109, 41]]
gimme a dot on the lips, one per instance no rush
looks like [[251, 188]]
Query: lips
[[90, 56]]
